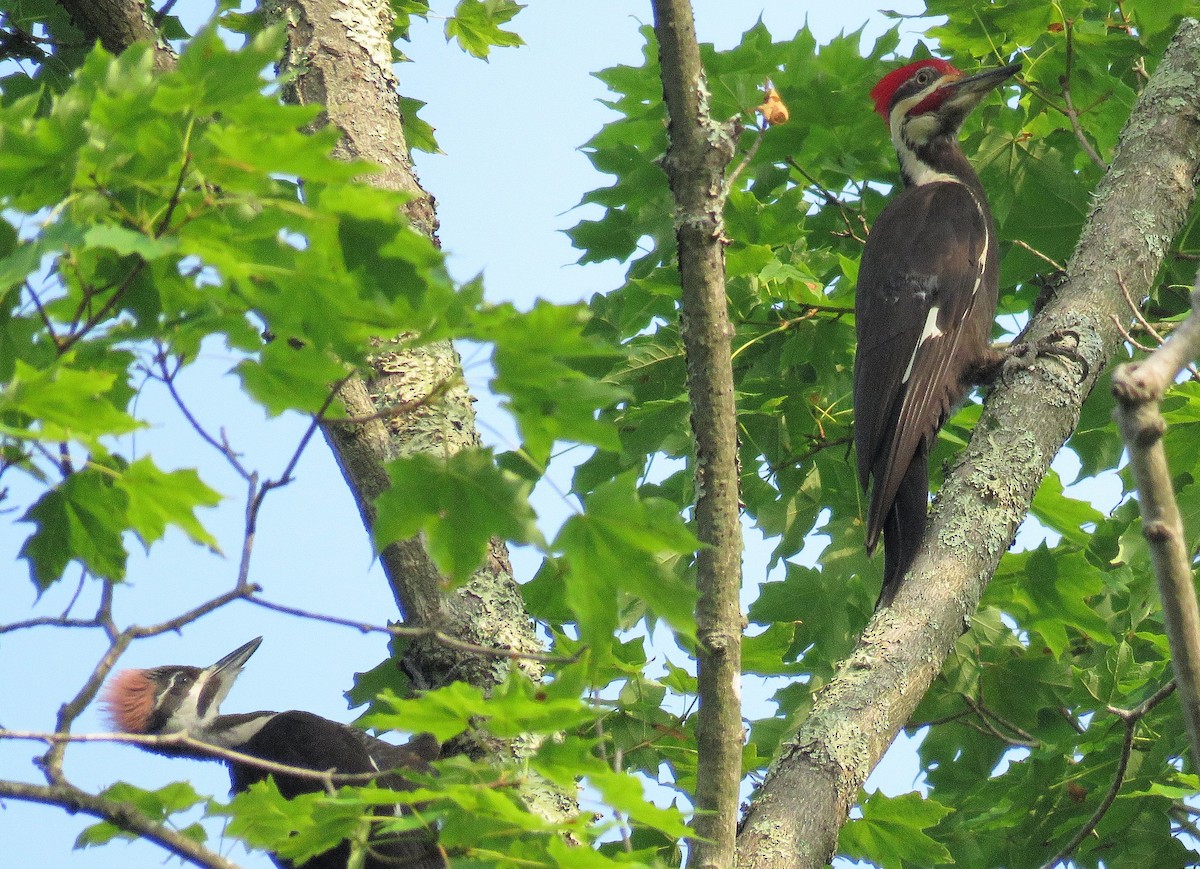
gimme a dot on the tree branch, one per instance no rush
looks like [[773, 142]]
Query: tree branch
[[342, 59], [123, 815], [700, 150], [117, 24], [1139, 388], [1139, 206], [344, 62], [1130, 718], [194, 746]]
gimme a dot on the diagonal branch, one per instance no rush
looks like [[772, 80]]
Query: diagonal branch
[[1138, 207], [122, 815]]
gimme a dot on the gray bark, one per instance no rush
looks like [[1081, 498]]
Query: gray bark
[[1139, 208], [699, 152]]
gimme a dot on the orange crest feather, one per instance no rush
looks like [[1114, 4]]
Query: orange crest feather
[[129, 700]]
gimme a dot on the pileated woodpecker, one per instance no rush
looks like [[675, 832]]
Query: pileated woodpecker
[[926, 299], [179, 699]]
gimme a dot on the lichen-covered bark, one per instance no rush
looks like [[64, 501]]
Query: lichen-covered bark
[[1138, 210], [117, 24], [341, 50]]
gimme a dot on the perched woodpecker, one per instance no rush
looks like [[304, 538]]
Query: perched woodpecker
[[180, 699], [926, 299]]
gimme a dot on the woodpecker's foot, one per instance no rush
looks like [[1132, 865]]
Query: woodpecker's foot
[[1060, 342]]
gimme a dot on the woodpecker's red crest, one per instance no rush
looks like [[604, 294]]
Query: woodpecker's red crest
[[890, 83]]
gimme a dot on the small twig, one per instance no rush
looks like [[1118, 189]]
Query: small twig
[[833, 200], [423, 633], [987, 716], [806, 314], [1072, 115], [1072, 720], [185, 741], [173, 202], [163, 12], [79, 331], [1130, 718], [750, 152], [167, 377], [1146, 325], [1125, 23], [819, 444], [83, 575], [945, 719], [1037, 253], [41, 311], [314, 424], [1127, 336], [48, 622], [1137, 309]]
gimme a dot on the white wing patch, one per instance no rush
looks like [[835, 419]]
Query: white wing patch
[[929, 332], [234, 737]]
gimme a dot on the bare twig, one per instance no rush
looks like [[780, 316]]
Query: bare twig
[[1147, 326], [1130, 718], [833, 200], [987, 717], [123, 815], [429, 633], [167, 377], [176, 741], [745, 161], [1139, 388], [1037, 253], [1072, 115]]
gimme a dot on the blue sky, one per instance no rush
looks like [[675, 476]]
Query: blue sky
[[506, 187]]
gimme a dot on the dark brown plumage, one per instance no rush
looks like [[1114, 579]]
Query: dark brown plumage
[[926, 299]]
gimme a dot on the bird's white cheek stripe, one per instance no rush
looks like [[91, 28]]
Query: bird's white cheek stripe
[[931, 330]]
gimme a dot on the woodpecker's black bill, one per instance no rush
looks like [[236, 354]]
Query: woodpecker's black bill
[[982, 82], [232, 663]]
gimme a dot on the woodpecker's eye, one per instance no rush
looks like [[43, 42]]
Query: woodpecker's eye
[[923, 76]]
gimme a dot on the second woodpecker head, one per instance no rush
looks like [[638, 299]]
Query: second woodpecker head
[[925, 104], [174, 698]]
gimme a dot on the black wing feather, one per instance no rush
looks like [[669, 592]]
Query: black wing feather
[[926, 250], [305, 740]]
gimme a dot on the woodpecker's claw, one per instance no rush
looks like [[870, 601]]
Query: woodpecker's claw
[[1023, 355]]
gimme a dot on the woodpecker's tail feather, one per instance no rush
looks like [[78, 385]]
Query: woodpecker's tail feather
[[904, 526]]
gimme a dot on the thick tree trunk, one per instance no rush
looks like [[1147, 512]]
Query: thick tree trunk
[[1139, 207], [345, 63]]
